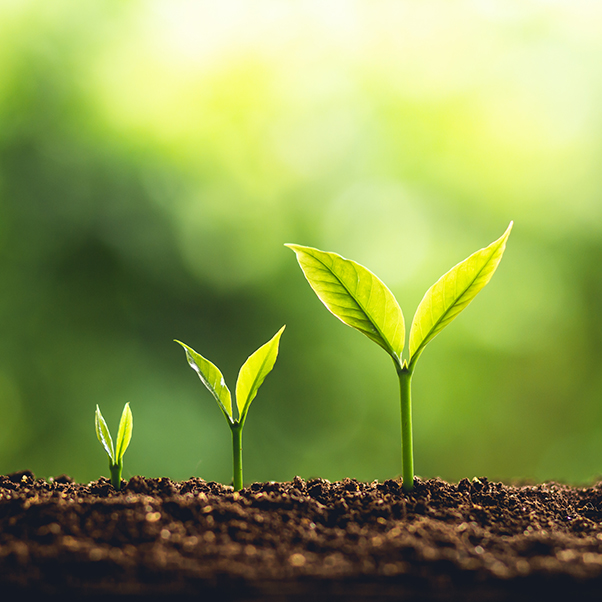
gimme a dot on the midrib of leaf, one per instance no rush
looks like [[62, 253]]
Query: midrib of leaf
[[104, 435], [227, 411], [458, 302], [365, 312], [241, 413], [426, 339], [251, 393], [124, 433]]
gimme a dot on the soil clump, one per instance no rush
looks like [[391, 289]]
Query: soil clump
[[299, 540]]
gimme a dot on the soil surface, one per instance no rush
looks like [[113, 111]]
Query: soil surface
[[300, 540]]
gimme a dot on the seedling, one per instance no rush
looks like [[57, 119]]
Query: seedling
[[359, 299], [250, 377], [124, 435]]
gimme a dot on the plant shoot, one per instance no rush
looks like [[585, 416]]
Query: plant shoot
[[251, 376], [359, 299], [124, 435]]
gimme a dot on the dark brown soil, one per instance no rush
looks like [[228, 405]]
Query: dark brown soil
[[301, 540]]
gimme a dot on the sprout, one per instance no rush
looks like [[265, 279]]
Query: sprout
[[359, 299], [124, 435], [251, 376]]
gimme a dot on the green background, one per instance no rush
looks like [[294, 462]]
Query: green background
[[156, 155]]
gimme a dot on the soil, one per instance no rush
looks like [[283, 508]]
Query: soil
[[300, 540]]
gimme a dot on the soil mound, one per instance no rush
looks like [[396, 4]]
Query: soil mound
[[299, 540]]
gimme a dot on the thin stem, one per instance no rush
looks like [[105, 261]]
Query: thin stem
[[116, 474], [407, 447], [237, 456]]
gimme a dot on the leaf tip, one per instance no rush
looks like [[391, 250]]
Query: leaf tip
[[293, 247], [504, 237], [277, 336], [297, 249], [186, 348]]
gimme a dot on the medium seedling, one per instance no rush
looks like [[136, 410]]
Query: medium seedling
[[251, 376], [124, 435], [359, 299]]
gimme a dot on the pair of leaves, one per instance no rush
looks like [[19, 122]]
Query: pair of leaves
[[359, 299], [124, 434], [250, 377]]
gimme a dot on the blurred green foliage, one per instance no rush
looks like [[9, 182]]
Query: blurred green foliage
[[155, 156]]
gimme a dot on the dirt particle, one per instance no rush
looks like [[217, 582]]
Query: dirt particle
[[391, 569], [592, 558], [566, 555], [190, 542], [522, 567], [70, 542], [21, 552], [499, 569]]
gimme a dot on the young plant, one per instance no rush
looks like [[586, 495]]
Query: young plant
[[250, 377], [124, 435], [359, 299]]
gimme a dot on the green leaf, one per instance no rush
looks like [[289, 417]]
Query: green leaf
[[452, 293], [103, 434], [253, 373], [355, 296], [124, 434], [212, 378]]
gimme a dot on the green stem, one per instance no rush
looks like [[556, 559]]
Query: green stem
[[237, 456], [116, 474], [407, 447]]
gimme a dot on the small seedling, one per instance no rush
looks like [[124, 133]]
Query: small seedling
[[359, 299], [124, 435], [251, 376]]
